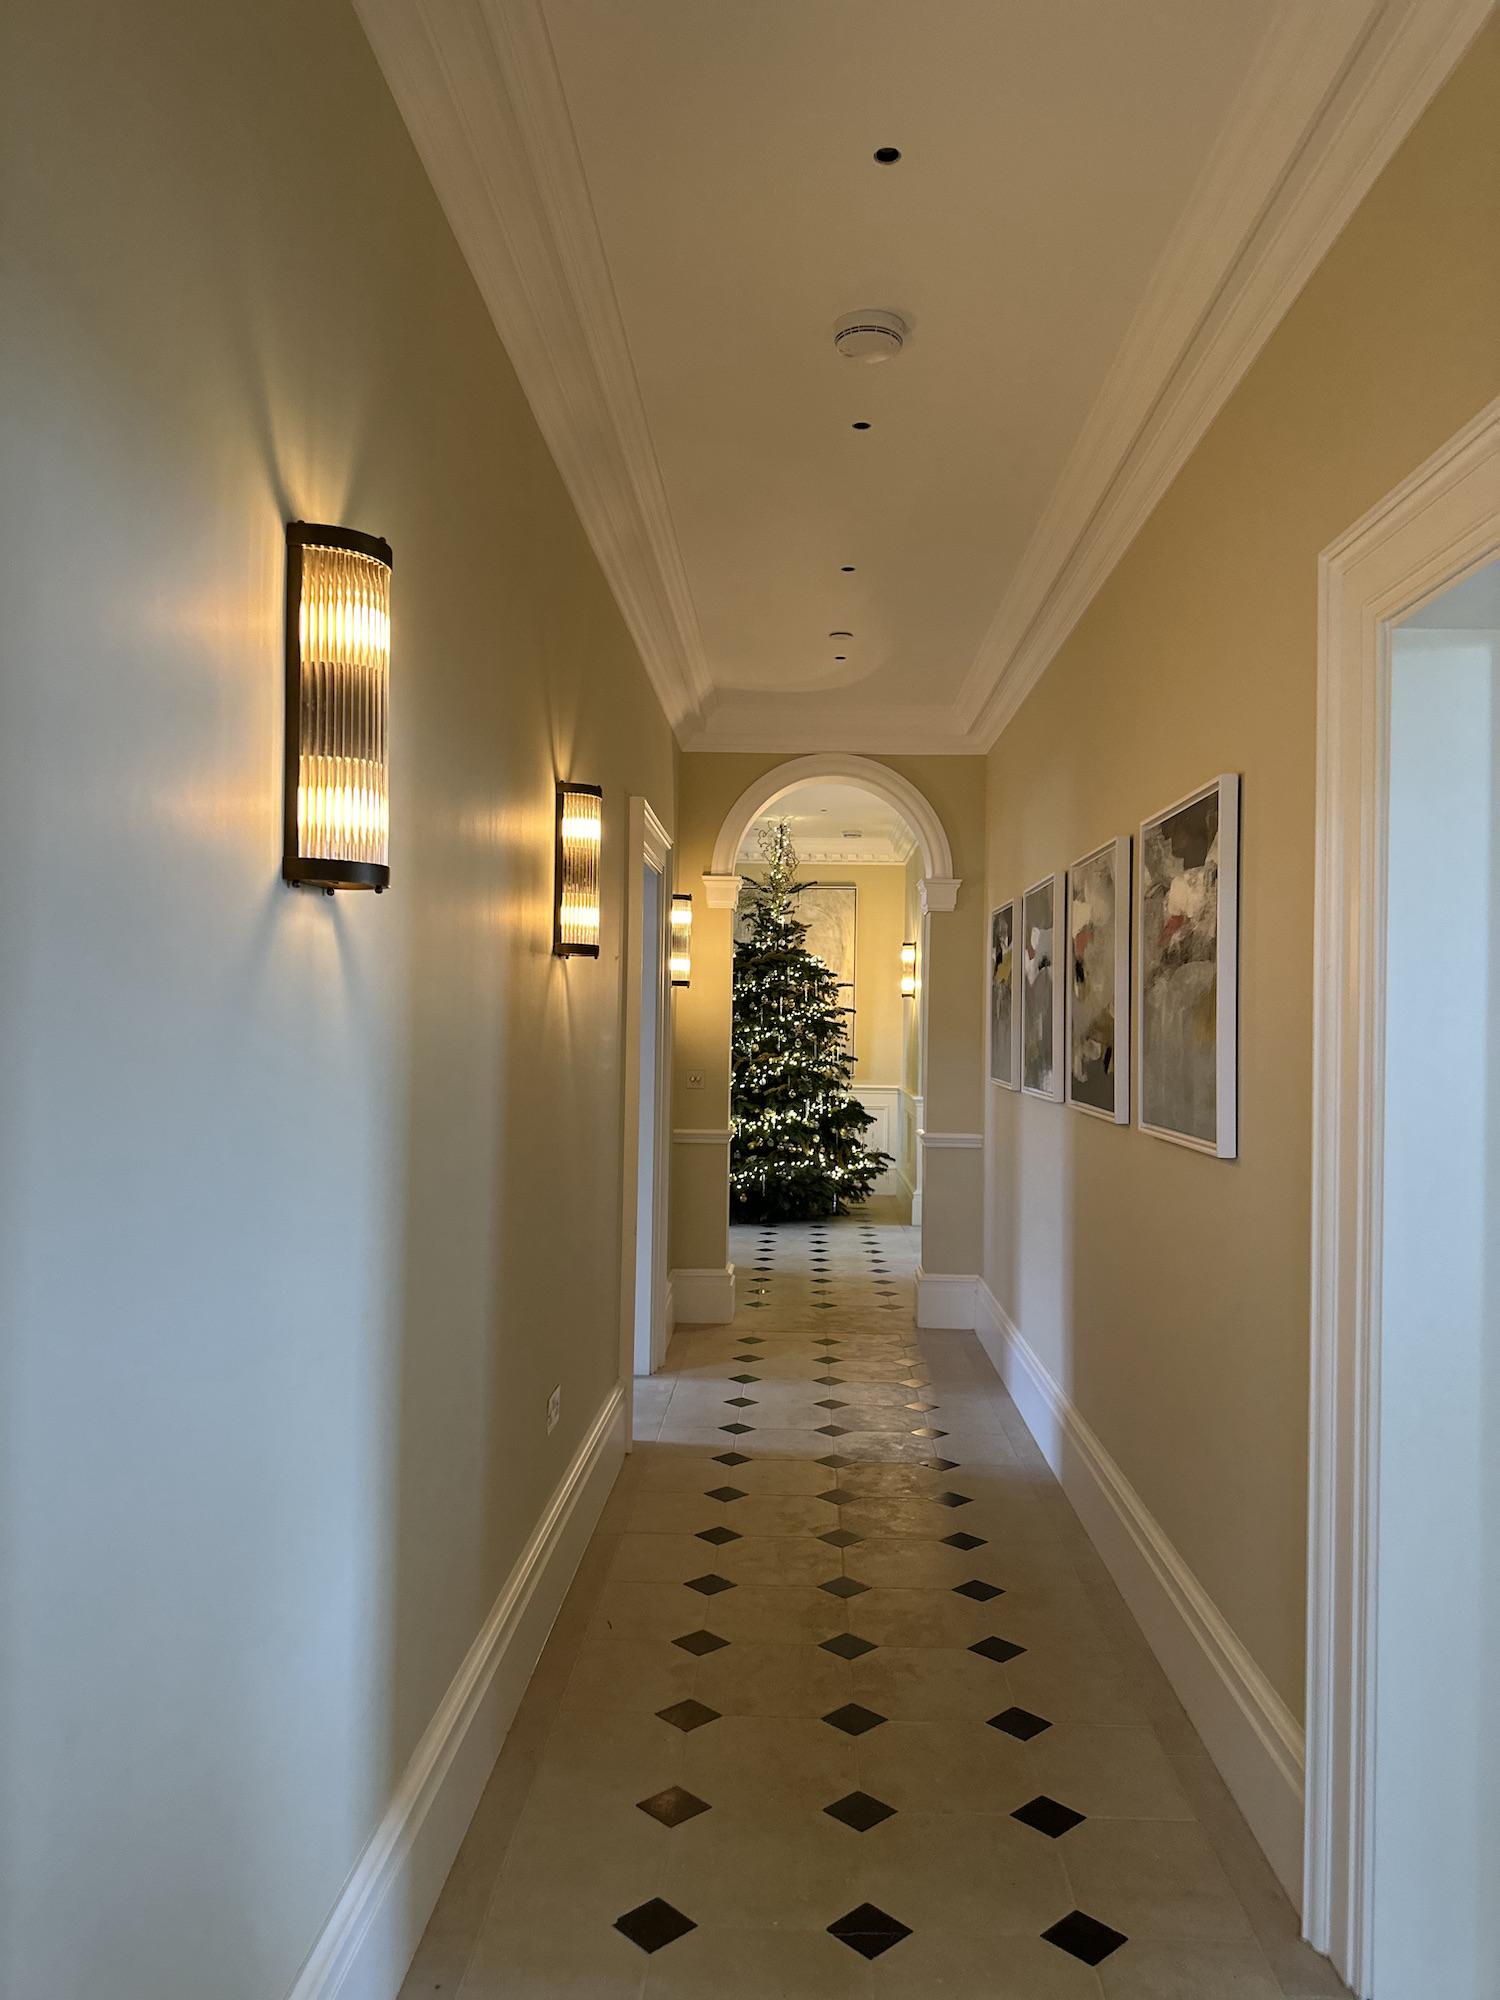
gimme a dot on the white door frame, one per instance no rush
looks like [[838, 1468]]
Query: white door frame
[[1438, 525], [650, 846]]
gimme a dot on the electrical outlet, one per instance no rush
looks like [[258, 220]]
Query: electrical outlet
[[695, 1079], [554, 1409]]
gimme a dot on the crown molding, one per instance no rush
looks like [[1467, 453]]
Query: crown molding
[[1333, 92], [478, 86]]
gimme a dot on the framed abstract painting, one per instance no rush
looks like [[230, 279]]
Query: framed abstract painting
[[1041, 991], [1005, 1016], [1188, 1000], [1099, 982]]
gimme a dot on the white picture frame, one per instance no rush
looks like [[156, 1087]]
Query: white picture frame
[[1098, 982], [1043, 1053], [1003, 1022], [1187, 881]]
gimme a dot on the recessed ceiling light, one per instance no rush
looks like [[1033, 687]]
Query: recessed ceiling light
[[841, 656], [848, 569], [860, 427], [841, 635], [887, 155]]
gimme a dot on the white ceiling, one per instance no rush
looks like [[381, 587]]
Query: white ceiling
[[834, 822], [1101, 212]]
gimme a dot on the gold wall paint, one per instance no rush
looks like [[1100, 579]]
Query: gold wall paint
[[1166, 1291], [292, 1188]]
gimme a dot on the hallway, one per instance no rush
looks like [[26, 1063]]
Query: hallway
[[842, 1702]]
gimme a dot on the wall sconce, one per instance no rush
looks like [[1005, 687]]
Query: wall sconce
[[580, 825], [335, 815], [682, 941], [908, 971]]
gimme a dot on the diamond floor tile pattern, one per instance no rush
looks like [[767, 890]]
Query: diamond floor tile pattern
[[903, 1744]]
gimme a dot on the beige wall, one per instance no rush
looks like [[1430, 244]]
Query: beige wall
[[952, 969], [1167, 1291], [291, 1188], [880, 917]]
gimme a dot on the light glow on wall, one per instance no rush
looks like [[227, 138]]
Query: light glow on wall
[[681, 955], [580, 828], [908, 971], [336, 819]]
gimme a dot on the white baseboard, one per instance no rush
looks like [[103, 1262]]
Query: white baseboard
[[1248, 1730], [368, 1942], [945, 1299], [702, 1298]]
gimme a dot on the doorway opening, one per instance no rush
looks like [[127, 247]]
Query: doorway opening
[[648, 1023], [1403, 1744]]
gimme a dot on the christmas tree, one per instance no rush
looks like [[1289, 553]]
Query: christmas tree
[[798, 1146]]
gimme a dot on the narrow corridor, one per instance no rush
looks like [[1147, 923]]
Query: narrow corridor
[[843, 1703]]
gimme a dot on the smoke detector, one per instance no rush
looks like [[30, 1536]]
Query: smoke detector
[[872, 335]]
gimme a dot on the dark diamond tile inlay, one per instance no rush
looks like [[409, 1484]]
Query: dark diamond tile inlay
[[724, 1493], [835, 1462], [840, 1538], [1048, 1816], [1020, 1723], [859, 1810], [838, 1496], [869, 1931], [833, 1430], [673, 1806], [741, 1402], [963, 1541], [853, 1719], [830, 1403], [738, 1430], [980, 1592], [830, 1381], [843, 1586], [1085, 1937], [699, 1643], [744, 1378], [730, 1458], [954, 1499], [718, 1536], [710, 1585], [686, 1715], [653, 1924], [847, 1646], [998, 1650]]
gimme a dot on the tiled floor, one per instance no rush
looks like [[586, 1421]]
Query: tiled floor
[[843, 1703]]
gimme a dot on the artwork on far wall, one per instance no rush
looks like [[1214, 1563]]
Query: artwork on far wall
[[1099, 982], [1041, 991], [1189, 970], [1005, 1016]]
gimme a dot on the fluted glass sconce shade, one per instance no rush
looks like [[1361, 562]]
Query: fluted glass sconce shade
[[580, 824], [336, 822], [908, 971], [682, 941]]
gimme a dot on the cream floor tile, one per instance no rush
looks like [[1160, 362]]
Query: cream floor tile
[[960, 1965], [625, 1676], [1142, 1970], [1152, 1879], [764, 1869], [964, 1873], [718, 1964], [943, 1767], [1107, 1773]]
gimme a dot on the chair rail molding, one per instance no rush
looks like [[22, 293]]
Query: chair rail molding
[[969, 1141], [366, 1945], [692, 1135], [1436, 526], [1333, 92]]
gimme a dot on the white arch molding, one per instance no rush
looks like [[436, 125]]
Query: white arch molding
[[939, 885]]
